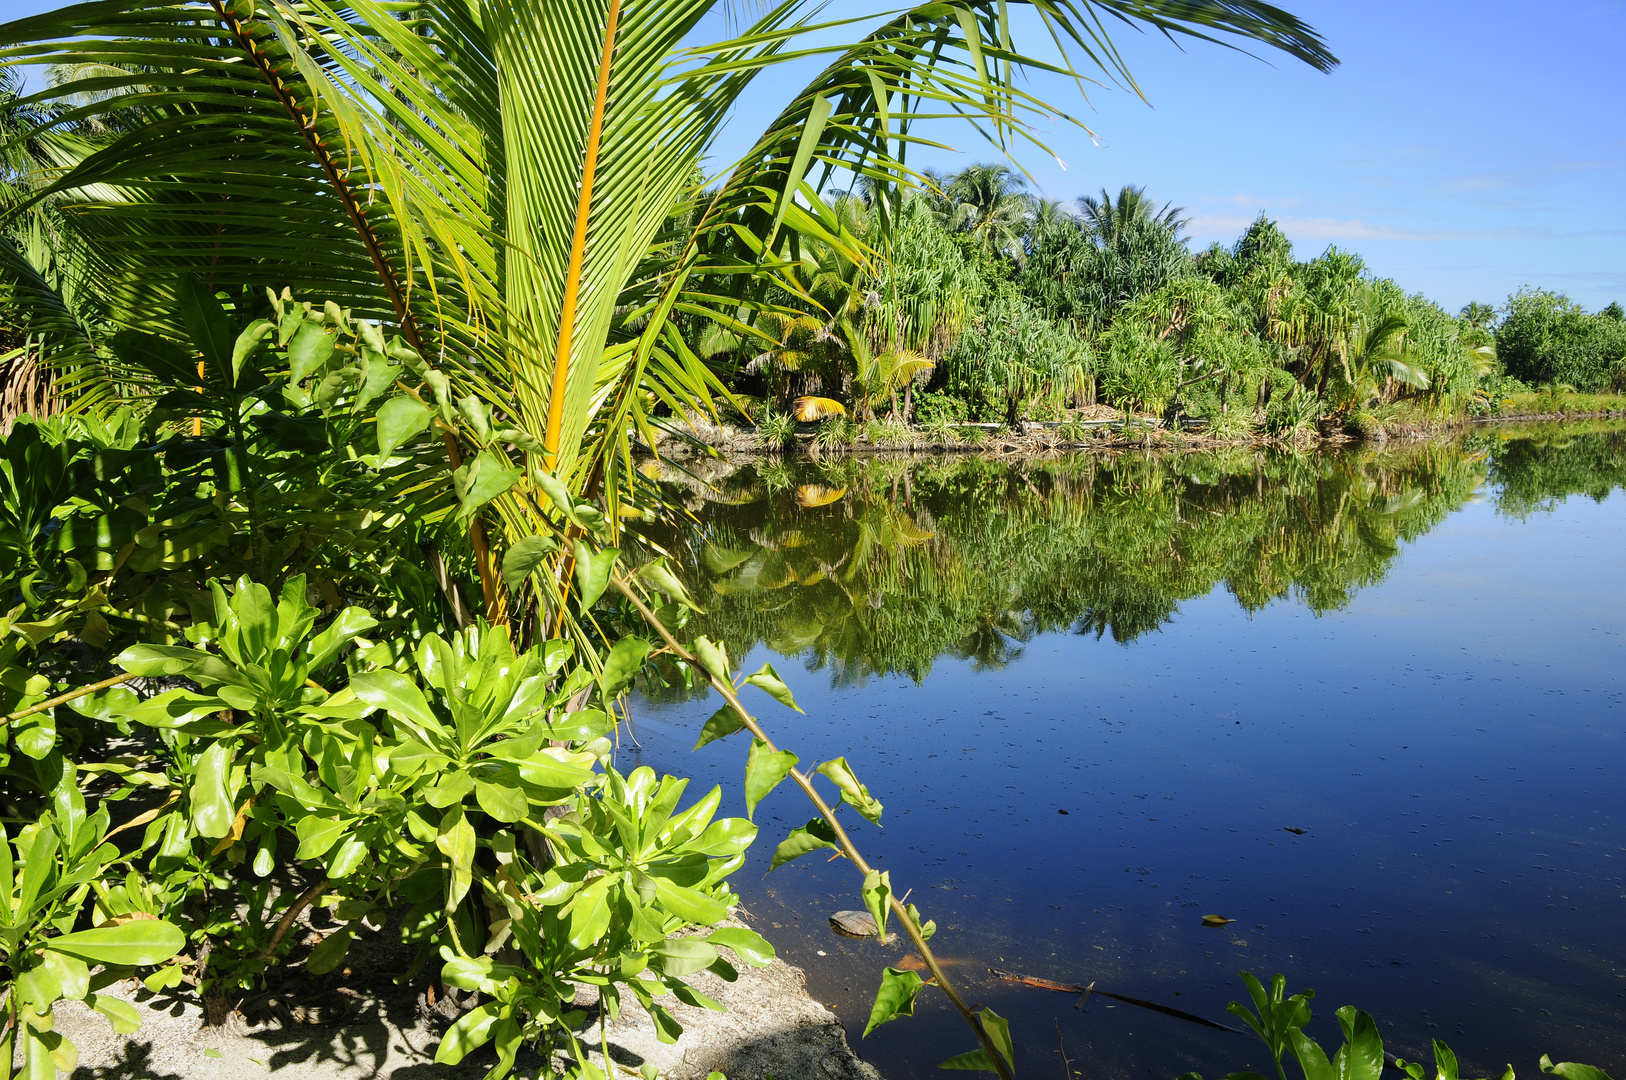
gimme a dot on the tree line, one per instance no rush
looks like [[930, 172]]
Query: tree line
[[981, 302]]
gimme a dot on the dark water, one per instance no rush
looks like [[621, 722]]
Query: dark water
[[1095, 694]]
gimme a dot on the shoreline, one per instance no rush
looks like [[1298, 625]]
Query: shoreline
[[1045, 438]]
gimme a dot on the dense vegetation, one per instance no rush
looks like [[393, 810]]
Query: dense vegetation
[[334, 341], [985, 304]]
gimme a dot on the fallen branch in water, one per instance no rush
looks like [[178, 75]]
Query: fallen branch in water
[[1085, 991]]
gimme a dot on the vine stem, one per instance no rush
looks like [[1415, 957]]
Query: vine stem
[[63, 699], [843, 841]]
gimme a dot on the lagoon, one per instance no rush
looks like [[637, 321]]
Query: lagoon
[[1368, 705]]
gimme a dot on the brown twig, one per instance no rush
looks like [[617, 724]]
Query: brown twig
[[1061, 1048], [69, 696], [286, 923], [848, 848]]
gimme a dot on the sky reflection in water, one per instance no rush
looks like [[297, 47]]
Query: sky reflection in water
[[1414, 656]]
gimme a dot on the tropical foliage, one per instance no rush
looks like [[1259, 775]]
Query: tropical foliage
[[1027, 309]]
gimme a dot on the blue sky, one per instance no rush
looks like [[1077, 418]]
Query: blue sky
[[1463, 148]]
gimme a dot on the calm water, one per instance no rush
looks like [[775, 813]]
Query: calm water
[[1095, 694]]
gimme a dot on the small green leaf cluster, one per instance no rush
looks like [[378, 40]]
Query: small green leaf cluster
[[49, 871], [1279, 1020]]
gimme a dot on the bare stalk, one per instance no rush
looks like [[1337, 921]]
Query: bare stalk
[[286, 923], [63, 699], [843, 841]]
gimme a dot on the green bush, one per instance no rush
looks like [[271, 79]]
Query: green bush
[[1547, 337]]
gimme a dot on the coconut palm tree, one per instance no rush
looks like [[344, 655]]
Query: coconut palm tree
[[1478, 315], [991, 203], [1111, 220]]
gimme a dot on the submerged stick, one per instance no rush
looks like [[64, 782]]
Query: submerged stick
[[1086, 991]]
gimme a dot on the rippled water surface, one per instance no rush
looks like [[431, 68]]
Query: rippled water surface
[[1368, 705]]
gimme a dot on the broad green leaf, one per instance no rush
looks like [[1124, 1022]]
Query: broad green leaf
[[212, 811], [623, 662], [667, 1029], [463, 972], [207, 324], [748, 945], [713, 658], [396, 695], [332, 949], [248, 343], [120, 1013], [853, 793], [477, 414], [658, 574], [545, 770], [472, 1031], [690, 996], [876, 890], [927, 926], [169, 710], [814, 835], [971, 1061], [727, 837], [159, 660], [895, 998], [316, 836], [482, 478], [71, 973], [39, 986], [999, 1033], [767, 679], [1361, 1056], [457, 842], [690, 905], [589, 914], [522, 559], [134, 944], [45, 1053], [346, 858], [399, 419], [764, 769], [505, 803], [1571, 1070], [167, 977], [684, 956], [1311, 1058], [309, 349], [723, 723], [592, 572]]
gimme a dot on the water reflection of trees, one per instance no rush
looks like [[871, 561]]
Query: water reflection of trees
[[1536, 468], [883, 566]]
